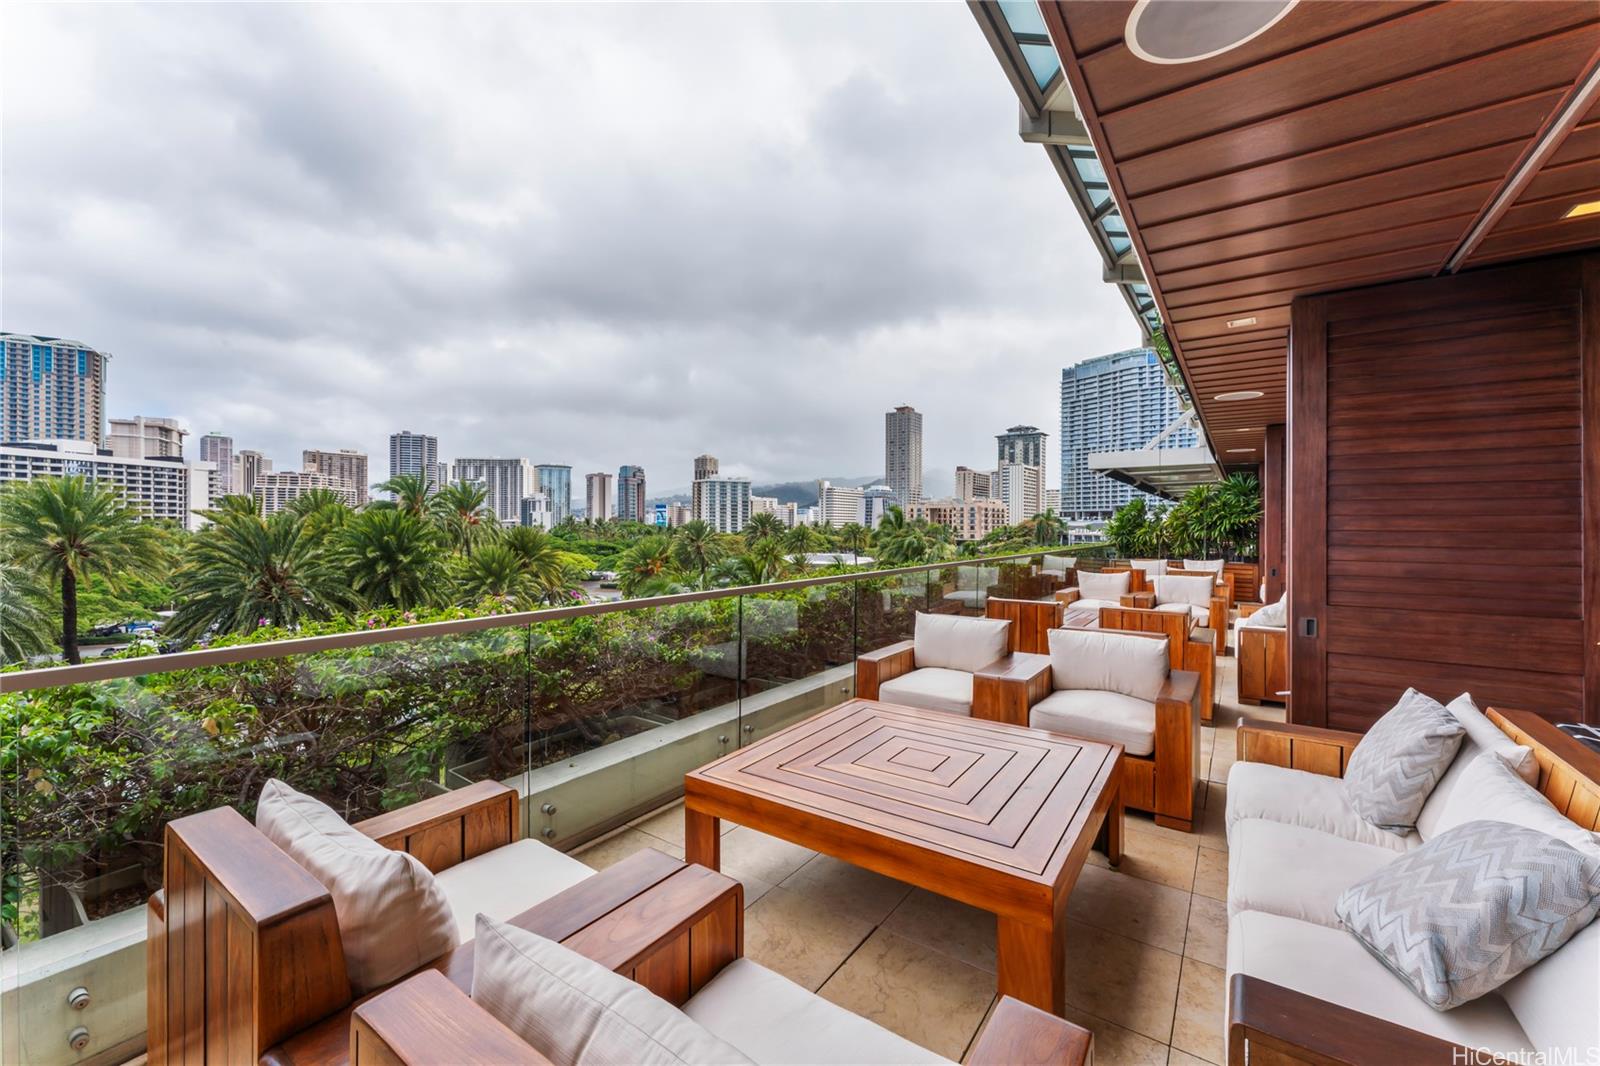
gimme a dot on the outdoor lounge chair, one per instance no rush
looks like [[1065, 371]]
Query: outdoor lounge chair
[[1197, 596], [952, 663], [1262, 640]]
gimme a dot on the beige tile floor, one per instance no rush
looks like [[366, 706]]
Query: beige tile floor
[[1146, 942]]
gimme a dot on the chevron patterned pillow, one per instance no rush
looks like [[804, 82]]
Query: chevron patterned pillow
[[1472, 908], [1401, 758]]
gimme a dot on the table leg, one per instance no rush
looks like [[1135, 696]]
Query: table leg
[[1114, 827], [1032, 961], [702, 838]]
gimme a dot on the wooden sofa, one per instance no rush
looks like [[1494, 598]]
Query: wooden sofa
[[674, 928], [1263, 653], [233, 903], [1272, 1021]]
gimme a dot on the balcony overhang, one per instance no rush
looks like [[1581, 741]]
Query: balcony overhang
[[1167, 472]]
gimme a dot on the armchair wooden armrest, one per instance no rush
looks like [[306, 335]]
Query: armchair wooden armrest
[[1271, 1022], [1299, 747], [1019, 1035], [1177, 750], [1146, 600], [424, 1020], [1248, 609], [1066, 597], [1006, 689], [229, 893], [1218, 623], [873, 668], [442, 831]]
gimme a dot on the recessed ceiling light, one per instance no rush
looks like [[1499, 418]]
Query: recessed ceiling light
[[1235, 323], [1187, 31], [1592, 207], [1239, 451], [1244, 394], [1244, 429]]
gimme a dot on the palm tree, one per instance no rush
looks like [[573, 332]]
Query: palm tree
[[243, 573], [855, 538], [697, 547], [803, 539], [463, 510], [24, 625], [1048, 528], [648, 557], [69, 529], [411, 493], [762, 526], [233, 504], [543, 559], [391, 558], [496, 571]]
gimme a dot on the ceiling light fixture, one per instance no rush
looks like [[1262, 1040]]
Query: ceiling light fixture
[[1239, 451], [1235, 323], [1243, 394], [1592, 207], [1187, 31]]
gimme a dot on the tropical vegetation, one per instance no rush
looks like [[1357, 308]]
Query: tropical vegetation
[[1223, 519]]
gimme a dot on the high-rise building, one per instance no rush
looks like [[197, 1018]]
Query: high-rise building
[[535, 511], [705, 466], [416, 454], [630, 494], [723, 503], [1116, 402], [217, 448], [1052, 501], [838, 505], [346, 463], [555, 481], [162, 487], [274, 492], [1022, 491], [248, 466], [973, 484], [902, 453], [597, 502], [763, 505], [875, 503], [506, 481], [1023, 445], [52, 389], [678, 514], [967, 519], [141, 437]]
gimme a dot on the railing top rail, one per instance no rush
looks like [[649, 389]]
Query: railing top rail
[[111, 669]]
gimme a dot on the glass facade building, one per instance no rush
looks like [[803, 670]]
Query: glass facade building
[[51, 389], [1112, 403]]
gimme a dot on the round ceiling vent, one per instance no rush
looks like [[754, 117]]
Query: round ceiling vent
[[1187, 31]]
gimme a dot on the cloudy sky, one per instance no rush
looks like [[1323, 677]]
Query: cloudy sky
[[590, 235]]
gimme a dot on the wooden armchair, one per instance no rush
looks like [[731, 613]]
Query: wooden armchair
[[672, 927], [1263, 660], [1002, 691], [1186, 653], [234, 904]]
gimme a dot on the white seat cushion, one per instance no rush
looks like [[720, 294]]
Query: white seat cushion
[[1295, 797], [393, 916], [932, 688], [1295, 871], [773, 1020], [1547, 997], [1331, 965], [1107, 587], [1102, 660], [1097, 715], [572, 1009], [507, 881], [951, 642], [1081, 603], [1200, 615]]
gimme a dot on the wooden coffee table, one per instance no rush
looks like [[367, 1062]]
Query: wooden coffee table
[[995, 815]]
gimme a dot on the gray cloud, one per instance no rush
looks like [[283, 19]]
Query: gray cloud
[[584, 234]]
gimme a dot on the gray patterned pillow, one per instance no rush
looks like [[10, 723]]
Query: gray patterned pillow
[[1472, 908], [1401, 758]]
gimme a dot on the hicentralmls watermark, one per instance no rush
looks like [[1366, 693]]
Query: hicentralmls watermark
[[1551, 1056]]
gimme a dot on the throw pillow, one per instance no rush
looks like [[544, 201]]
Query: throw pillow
[[1489, 737], [1395, 766], [1472, 908], [1104, 661], [571, 1009], [393, 917]]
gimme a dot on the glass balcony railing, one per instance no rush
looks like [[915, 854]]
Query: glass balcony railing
[[592, 713]]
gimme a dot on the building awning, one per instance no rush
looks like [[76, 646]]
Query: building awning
[[1168, 472]]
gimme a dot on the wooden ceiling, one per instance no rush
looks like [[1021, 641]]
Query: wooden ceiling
[[1352, 143]]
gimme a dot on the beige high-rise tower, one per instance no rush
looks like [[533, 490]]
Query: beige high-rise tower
[[346, 463]]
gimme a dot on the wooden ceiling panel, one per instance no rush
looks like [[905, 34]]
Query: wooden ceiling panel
[[1349, 145], [1455, 90], [1401, 48]]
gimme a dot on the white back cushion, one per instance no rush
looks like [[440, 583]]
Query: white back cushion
[[1213, 566], [1557, 1000], [1108, 662], [1060, 564], [1109, 587], [1488, 736], [1490, 790], [1195, 591], [954, 642], [571, 1009], [1150, 566], [1272, 616], [393, 916]]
